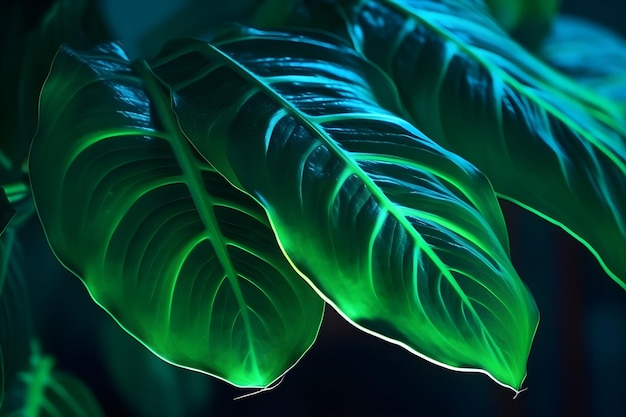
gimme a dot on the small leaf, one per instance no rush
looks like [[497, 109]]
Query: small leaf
[[545, 143], [182, 260], [46, 392], [405, 239]]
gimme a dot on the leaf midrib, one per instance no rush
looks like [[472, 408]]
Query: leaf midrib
[[369, 183], [203, 202]]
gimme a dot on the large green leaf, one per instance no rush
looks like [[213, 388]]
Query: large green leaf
[[591, 54], [46, 392], [181, 259], [545, 143], [405, 239]]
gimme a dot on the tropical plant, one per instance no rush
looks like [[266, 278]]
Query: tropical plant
[[214, 198]]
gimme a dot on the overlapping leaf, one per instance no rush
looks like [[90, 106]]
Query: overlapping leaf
[[544, 142], [589, 53], [404, 238], [181, 259]]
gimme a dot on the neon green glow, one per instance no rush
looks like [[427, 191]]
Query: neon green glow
[[16, 191], [400, 236], [183, 261], [542, 140]]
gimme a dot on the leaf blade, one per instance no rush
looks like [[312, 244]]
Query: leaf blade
[[359, 199], [546, 143], [162, 241]]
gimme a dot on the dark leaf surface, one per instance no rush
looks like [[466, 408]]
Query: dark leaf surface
[[546, 143], [405, 239]]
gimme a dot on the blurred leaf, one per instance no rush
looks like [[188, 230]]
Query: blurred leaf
[[26, 60], [15, 324], [545, 143], [404, 238], [180, 258], [589, 53], [11, 35], [528, 21], [6, 211], [46, 392], [142, 26], [150, 386]]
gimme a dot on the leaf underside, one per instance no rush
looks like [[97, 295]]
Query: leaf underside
[[405, 239], [546, 143], [181, 259]]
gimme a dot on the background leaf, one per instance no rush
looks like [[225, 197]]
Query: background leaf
[[405, 239], [528, 21], [545, 143], [589, 53], [50, 393], [181, 259], [28, 51], [15, 324], [6, 210]]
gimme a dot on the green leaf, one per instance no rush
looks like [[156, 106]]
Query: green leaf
[[46, 392], [528, 21], [550, 145], [405, 239], [15, 324], [182, 260], [589, 53], [6, 211]]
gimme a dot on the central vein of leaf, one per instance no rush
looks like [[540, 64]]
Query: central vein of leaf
[[352, 165], [201, 199]]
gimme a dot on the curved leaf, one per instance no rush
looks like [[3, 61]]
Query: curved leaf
[[589, 53], [545, 143], [50, 393], [181, 259], [405, 239]]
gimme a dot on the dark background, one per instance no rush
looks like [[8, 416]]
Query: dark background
[[576, 366]]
